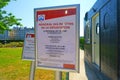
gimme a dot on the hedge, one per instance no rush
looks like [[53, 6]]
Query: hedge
[[81, 43], [12, 44]]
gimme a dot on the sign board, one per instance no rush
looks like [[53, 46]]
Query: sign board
[[57, 37], [29, 49]]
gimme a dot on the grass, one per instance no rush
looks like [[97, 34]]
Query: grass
[[12, 67]]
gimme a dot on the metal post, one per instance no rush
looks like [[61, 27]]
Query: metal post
[[67, 75], [58, 75], [32, 70]]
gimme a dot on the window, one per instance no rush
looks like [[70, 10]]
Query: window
[[107, 20], [97, 28], [87, 32]]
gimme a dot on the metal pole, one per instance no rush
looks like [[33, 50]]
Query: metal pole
[[58, 75], [67, 75], [32, 70]]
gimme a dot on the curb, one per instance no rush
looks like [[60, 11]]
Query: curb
[[100, 75]]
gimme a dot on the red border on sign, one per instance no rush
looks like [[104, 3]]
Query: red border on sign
[[69, 66], [30, 35], [50, 14]]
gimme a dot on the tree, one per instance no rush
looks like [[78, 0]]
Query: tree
[[82, 43], [7, 19]]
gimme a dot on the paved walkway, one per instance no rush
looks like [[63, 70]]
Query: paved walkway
[[86, 73]]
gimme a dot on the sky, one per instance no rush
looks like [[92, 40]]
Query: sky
[[24, 9]]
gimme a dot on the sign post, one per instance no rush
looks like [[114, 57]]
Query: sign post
[[58, 75], [67, 75], [32, 70], [29, 52], [57, 37]]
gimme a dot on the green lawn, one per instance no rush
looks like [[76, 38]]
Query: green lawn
[[12, 67]]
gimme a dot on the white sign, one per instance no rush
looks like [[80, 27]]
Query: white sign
[[57, 37], [29, 49]]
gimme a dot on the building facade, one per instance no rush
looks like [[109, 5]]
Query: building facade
[[16, 33]]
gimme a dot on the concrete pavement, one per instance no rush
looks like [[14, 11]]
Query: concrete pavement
[[86, 73]]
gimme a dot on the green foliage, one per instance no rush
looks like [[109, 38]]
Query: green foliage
[[12, 44], [3, 3], [1, 45], [7, 19], [82, 43]]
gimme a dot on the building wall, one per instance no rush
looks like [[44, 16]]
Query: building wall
[[109, 38], [4, 36], [118, 19], [109, 32], [16, 33], [88, 44]]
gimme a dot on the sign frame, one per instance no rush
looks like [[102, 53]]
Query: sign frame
[[77, 31], [26, 44]]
